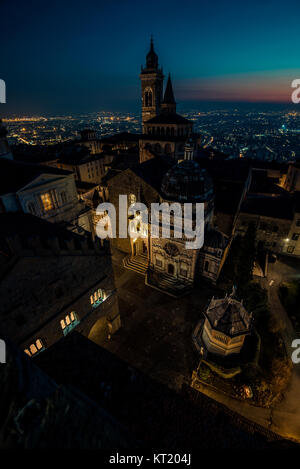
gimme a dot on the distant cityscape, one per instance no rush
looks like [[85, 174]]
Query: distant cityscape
[[266, 135]]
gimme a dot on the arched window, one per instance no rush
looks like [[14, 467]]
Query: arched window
[[162, 131], [168, 148], [34, 348], [167, 131], [97, 298], [69, 322], [148, 98], [172, 131]]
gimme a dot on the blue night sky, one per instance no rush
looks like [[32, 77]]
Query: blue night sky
[[70, 56]]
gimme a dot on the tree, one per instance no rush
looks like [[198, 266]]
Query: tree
[[246, 258]]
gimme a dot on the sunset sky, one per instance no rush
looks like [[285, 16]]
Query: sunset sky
[[85, 56]]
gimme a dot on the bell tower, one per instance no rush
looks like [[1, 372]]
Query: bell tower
[[152, 86]]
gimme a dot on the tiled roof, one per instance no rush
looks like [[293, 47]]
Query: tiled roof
[[168, 118], [229, 316]]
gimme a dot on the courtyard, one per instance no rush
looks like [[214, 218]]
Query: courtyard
[[156, 332]]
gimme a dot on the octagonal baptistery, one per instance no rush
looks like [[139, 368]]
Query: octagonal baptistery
[[227, 323]]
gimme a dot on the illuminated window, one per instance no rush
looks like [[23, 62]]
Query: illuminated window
[[47, 202], [97, 297], [69, 322], [290, 249], [132, 199], [34, 348]]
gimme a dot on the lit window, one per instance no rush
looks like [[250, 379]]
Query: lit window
[[97, 297], [69, 322], [290, 249], [34, 348], [47, 202], [39, 344], [132, 199]]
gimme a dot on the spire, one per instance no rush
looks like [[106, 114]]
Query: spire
[[169, 104], [152, 59], [169, 95]]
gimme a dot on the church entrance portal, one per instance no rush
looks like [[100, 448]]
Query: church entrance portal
[[140, 247]]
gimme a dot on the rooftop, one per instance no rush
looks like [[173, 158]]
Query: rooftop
[[228, 316], [168, 118], [14, 175], [272, 207]]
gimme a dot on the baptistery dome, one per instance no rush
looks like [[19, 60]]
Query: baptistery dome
[[187, 182]]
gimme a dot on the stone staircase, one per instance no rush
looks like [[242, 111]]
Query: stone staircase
[[167, 284], [137, 264]]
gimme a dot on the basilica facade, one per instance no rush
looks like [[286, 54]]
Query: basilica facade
[[167, 172]]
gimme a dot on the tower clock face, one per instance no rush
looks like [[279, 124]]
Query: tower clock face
[[171, 249]]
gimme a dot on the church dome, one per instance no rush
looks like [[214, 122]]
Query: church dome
[[187, 182]]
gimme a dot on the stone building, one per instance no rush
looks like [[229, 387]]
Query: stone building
[[176, 176], [277, 222], [43, 191], [225, 327], [292, 181], [165, 261], [53, 281], [164, 131]]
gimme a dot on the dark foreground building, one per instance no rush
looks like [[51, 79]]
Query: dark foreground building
[[104, 403]]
